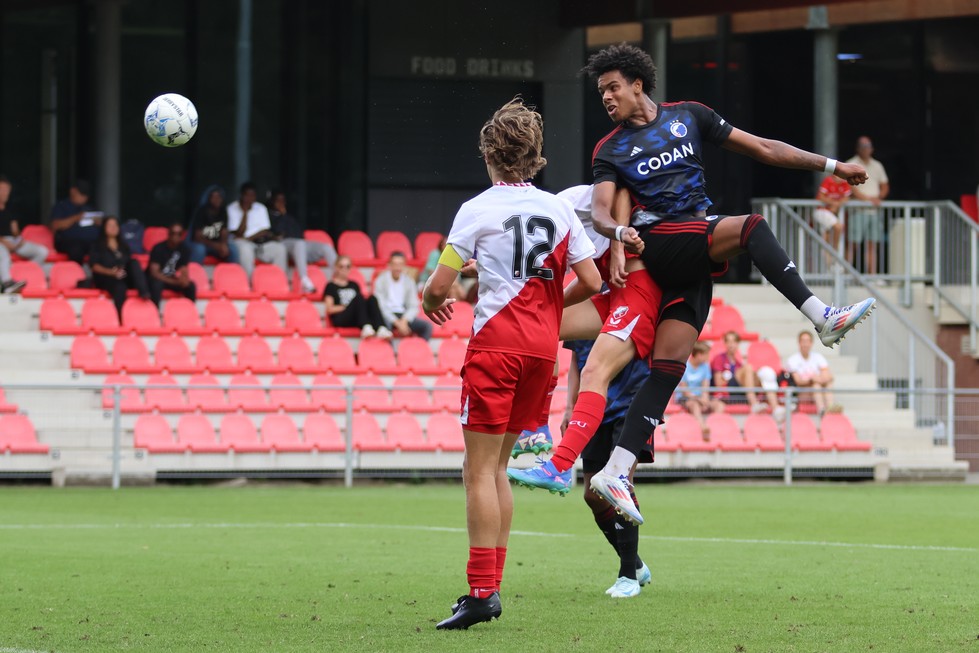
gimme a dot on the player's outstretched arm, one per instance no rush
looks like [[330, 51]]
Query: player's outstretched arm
[[434, 302], [588, 283], [783, 155]]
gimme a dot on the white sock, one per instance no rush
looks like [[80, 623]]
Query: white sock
[[815, 310], [620, 462]]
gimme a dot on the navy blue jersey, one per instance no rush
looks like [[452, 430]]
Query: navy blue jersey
[[622, 388], [661, 163]]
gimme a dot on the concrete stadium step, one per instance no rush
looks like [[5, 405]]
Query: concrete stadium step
[[17, 314]]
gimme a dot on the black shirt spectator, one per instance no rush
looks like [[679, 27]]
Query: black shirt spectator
[[75, 223], [113, 267], [168, 266]]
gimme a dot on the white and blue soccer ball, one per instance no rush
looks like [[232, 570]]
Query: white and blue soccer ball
[[171, 120]]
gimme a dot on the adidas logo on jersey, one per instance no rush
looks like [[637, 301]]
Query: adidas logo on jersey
[[636, 150]]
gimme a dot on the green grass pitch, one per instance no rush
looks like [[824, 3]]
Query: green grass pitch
[[736, 568]]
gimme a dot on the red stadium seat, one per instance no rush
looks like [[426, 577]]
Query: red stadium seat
[[169, 399], [330, 396], [358, 246], [318, 236], [726, 318], [460, 325], [141, 316], [129, 395], [198, 275], [447, 394], [180, 316], [322, 433], [805, 437], [89, 354], [221, 317], [683, 431], [315, 275], [153, 236], [288, 393], [410, 394], [280, 434], [210, 399], [763, 354], [99, 315], [296, 355], [270, 281], [239, 435], [445, 431], [255, 354], [262, 317], [129, 354], [425, 242], [660, 441], [367, 434], [336, 355], [64, 277], [371, 394], [725, 434], [415, 355], [761, 432], [17, 435], [42, 235], [250, 398], [231, 281], [58, 317], [194, 432], [31, 273], [389, 242], [452, 354], [153, 433], [4, 406], [214, 356], [172, 355], [303, 318], [405, 434], [970, 205], [377, 356], [838, 431]]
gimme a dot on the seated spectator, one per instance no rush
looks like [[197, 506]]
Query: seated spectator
[[12, 243], [809, 369], [291, 233], [249, 224], [397, 295], [692, 392], [113, 267], [168, 266], [459, 289], [209, 229], [732, 372], [75, 223], [346, 305], [833, 193]]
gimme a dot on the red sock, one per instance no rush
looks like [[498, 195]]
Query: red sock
[[585, 420], [545, 415], [500, 561], [481, 571]]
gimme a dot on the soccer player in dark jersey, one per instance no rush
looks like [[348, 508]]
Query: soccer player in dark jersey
[[656, 152]]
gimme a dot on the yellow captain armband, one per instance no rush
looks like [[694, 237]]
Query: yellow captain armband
[[451, 258]]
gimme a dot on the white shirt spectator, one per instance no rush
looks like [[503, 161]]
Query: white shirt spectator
[[258, 218], [806, 367]]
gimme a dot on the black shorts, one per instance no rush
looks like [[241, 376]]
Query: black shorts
[[676, 256], [596, 453]]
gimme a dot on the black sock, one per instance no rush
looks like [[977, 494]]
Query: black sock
[[771, 260], [646, 410], [606, 521], [628, 536]]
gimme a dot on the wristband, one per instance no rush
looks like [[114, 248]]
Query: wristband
[[830, 166], [618, 232]]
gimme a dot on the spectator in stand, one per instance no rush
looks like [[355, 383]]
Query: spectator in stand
[[11, 242], [249, 223], [866, 224], [731, 371], [75, 223], [113, 267], [833, 193], [693, 393], [809, 369], [290, 232], [397, 296], [346, 305], [458, 290], [209, 229], [168, 266]]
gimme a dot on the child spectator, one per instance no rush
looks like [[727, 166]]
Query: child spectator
[[692, 392], [732, 372]]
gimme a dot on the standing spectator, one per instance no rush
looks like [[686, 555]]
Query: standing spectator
[[693, 393], [11, 242], [866, 224], [809, 369], [249, 223], [75, 223], [732, 372], [113, 267], [346, 305], [209, 229], [168, 266], [833, 193], [291, 233], [397, 296]]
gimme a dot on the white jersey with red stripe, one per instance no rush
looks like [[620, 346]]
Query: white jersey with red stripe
[[524, 240], [580, 198]]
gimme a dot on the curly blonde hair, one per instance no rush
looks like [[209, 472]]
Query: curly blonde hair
[[512, 140]]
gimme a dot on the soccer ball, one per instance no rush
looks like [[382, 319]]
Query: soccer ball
[[171, 120]]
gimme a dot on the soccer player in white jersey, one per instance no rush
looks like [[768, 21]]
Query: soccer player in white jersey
[[527, 239]]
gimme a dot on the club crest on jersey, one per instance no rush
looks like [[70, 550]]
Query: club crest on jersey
[[618, 314], [678, 129]]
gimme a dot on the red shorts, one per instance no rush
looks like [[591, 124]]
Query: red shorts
[[502, 392], [631, 312]]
